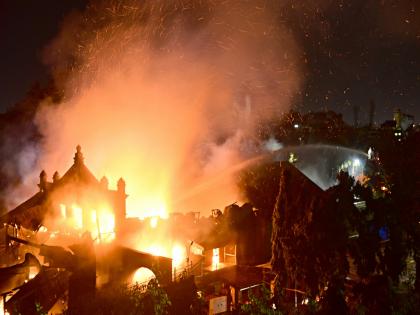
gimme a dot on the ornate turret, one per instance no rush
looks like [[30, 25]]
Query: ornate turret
[[78, 157], [121, 185], [104, 182], [76, 186], [56, 177], [42, 181], [120, 209]]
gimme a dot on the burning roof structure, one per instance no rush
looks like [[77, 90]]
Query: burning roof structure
[[72, 213], [75, 200], [68, 206]]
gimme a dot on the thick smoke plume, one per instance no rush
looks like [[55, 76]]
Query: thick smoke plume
[[164, 94]]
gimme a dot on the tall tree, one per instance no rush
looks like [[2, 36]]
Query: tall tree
[[309, 238]]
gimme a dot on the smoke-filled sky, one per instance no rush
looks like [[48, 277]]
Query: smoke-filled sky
[[165, 94], [348, 51]]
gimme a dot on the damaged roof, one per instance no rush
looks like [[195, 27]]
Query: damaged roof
[[31, 213]]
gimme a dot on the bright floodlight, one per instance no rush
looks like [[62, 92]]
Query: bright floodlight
[[356, 162], [296, 125]]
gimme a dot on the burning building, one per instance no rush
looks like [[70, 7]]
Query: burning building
[[74, 203], [64, 209], [68, 213], [222, 251]]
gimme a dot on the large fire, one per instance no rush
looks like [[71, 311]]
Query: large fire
[[215, 259], [99, 220], [156, 242], [166, 103], [167, 106], [165, 94]]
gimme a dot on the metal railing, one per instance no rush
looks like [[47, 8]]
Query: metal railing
[[189, 270]]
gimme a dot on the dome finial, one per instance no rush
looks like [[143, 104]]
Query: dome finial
[[104, 182], [42, 181], [121, 185], [56, 177], [78, 157]]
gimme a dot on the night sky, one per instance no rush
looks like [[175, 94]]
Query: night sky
[[26, 27], [351, 52]]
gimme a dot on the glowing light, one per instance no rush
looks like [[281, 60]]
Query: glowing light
[[106, 221], [177, 252], [33, 271], [197, 249], [178, 255], [292, 158], [142, 275], [77, 216], [370, 154], [153, 222], [93, 216], [62, 210], [296, 126], [2, 310], [156, 250], [215, 259], [148, 207], [100, 223], [42, 229], [356, 162]]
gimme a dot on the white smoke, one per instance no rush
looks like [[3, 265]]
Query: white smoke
[[150, 86]]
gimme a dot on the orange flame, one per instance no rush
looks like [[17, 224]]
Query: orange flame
[[77, 216], [100, 223], [215, 259], [142, 275]]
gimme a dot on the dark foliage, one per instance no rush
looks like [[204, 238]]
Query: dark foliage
[[260, 303], [308, 238], [400, 160], [136, 299], [316, 235], [259, 185]]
